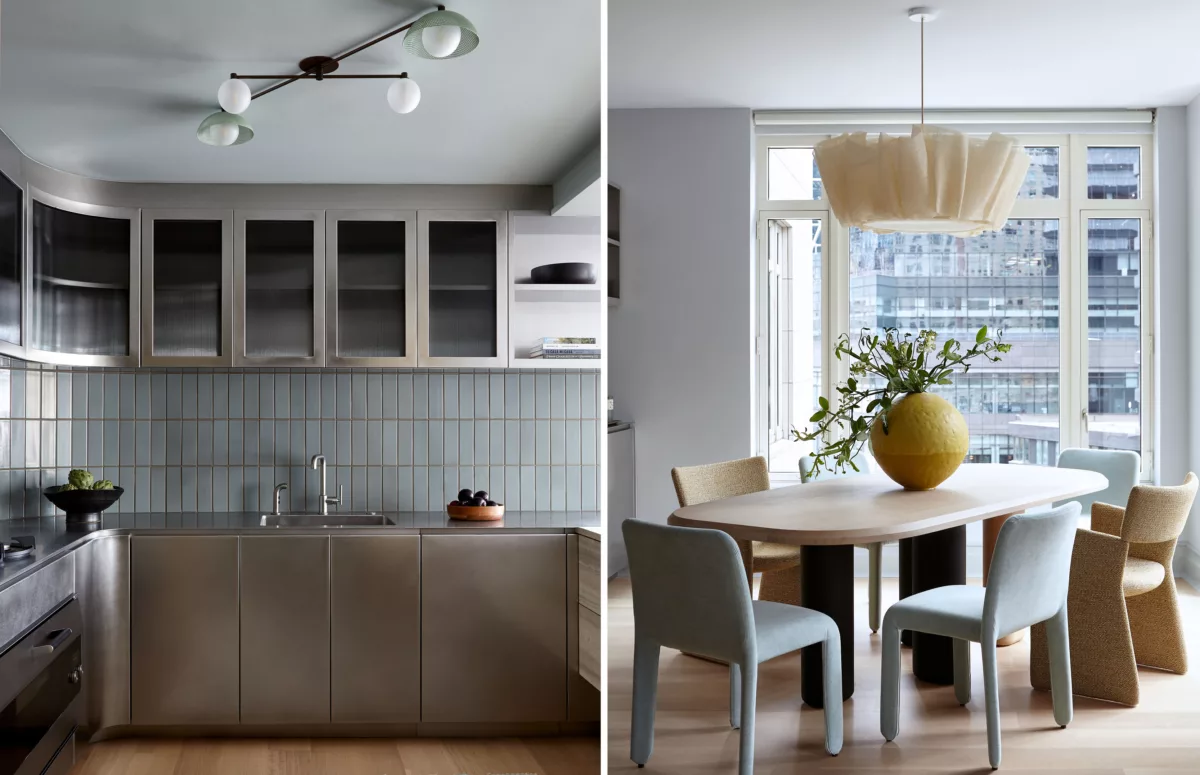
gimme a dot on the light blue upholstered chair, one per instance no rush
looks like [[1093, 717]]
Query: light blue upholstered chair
[[690, 593], [1121, 467], [808, 473], [1027, 585]]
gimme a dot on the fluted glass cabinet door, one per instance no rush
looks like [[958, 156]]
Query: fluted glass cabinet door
[[463, 275], [371, 278], [84, 283], [187, 274], [279, 274], [12, 213]]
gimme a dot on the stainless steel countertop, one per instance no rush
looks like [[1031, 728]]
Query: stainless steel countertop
[[53, 538]]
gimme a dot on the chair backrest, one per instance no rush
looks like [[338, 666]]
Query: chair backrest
[[1157, 514], [809, 472], [1030, 569], [713, 482], [690, 590], [1120, 467]]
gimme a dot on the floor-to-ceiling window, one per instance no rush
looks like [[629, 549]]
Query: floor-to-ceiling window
[[1065, 279]]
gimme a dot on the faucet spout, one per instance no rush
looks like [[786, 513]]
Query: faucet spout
[[318, 464]]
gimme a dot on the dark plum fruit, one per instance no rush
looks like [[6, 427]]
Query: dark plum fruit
[[479, 502], [492, 503], [481, 494], [464, 495], [467, 502]]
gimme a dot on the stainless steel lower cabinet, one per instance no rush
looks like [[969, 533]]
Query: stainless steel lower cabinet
[[376, 645], [493, 628], [184, 630], [285, 630]]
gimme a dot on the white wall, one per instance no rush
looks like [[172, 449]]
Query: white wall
[[1188, 555], [681, 339]]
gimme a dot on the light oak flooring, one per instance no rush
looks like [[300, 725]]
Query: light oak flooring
[[544, 756], [693, 736]]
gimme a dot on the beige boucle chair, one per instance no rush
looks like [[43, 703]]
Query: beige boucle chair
[[778, 563], [1121, 607]]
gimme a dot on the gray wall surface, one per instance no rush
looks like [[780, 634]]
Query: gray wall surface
[[681, 355], [220, 439]]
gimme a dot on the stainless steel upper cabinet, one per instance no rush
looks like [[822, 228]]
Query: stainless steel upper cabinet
[[462, 312], [371, 287], [83, 292], [279, 288], [12, 226], [187, 287]]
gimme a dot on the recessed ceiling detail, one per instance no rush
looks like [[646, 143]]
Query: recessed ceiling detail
[[439, 34]]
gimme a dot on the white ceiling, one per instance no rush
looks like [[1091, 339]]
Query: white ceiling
[[115, 90], [864, 54]]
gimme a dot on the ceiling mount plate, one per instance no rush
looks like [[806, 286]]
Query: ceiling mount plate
[[318, 66], [922, 13]]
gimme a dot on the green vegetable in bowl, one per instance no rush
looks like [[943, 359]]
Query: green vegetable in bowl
[[81, 479], [103, 484]]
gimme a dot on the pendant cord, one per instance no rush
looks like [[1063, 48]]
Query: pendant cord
[[922, 72]]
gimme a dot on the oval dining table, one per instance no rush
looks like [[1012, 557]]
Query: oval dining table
[[826, 518]]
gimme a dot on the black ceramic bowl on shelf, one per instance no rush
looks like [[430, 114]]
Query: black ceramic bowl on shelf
[[566, 273], [84, 505]]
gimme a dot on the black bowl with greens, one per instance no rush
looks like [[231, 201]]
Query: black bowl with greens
[[83, 497]]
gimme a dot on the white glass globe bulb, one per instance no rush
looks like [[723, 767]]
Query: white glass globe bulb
[[234, 96], [441, 41], [404, 95], [224, 134]]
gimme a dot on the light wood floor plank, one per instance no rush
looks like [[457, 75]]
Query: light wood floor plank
[[692, 733]]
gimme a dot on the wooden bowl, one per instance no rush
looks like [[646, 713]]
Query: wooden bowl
[[475, 513]]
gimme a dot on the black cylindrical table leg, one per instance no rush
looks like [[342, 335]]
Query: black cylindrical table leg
[[906, 580], [939, 559], [827, 585]]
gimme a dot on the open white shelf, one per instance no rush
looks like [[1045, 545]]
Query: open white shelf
[[556, 363], [549, 293]]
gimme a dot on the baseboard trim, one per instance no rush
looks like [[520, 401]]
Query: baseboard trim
[[1187, 564]]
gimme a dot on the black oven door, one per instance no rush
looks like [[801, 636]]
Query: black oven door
[[40, 681]]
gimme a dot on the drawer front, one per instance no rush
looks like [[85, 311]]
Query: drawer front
[[589, 646], [31, 599], [589, 573]]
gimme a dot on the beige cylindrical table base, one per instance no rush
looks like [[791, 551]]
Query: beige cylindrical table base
[[991, 531]]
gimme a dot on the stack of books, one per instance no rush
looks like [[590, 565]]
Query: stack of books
[[565, 347]]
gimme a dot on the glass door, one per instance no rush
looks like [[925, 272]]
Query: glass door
[[371, 288], [12, 219], [279, 275], [187, 287], [463, 283], [84, 288]]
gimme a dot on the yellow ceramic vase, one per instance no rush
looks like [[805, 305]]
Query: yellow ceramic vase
[[926, 440]]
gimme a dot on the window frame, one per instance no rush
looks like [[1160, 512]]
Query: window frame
[[1071, 208]]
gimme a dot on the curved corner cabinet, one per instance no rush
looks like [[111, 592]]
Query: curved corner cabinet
[[83, 291], [279, 272], [371, 288], [12, 306], [187, 287], [462, 274]]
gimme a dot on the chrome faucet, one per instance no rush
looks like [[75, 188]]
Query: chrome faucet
[[279, 488], [318, 464]]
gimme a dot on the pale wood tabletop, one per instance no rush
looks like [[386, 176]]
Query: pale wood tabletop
[[871, 508]]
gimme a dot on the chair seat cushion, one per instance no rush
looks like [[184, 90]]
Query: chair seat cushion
[[956, 611], [769, 557], [1142, 576], [780, 628]]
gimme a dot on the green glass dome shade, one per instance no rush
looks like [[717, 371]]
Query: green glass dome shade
[[443, 22], [218, 130]]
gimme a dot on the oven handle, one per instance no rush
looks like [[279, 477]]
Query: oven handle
[[57, 638]]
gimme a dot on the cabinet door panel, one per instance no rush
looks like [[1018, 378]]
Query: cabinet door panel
[[285, 629], [493, 628], [184, 630], [376, 646], [12, 220]]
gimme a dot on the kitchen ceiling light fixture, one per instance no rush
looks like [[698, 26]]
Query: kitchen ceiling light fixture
[[936, 180], [438, 34]]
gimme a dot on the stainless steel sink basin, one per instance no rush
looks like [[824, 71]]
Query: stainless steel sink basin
[[343, 519]]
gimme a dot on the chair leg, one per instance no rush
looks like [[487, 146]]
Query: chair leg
[[749, 690], [1059, 643], [831, 661], [645, 689], [735, 695], [991, 690], [1156, 628], [962, 671], [874, 583], [781, 586], [889, 701]]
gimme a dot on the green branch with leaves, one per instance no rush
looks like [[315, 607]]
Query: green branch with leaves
[[883, 368]]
